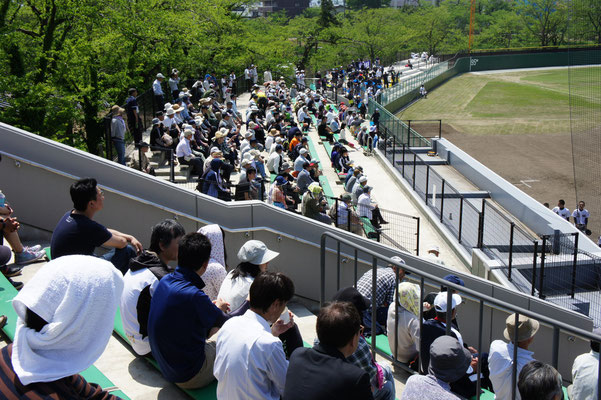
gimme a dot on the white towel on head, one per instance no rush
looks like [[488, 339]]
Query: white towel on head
[[78, 296]]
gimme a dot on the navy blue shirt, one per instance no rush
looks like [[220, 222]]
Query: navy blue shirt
[[77, 234], [181, 315]]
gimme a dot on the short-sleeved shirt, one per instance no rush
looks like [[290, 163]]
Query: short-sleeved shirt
[[131, 105], [580, 217], [77, 234], [562, 212], [180, 318]]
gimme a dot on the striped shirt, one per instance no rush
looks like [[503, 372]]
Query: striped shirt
[[71, 387]]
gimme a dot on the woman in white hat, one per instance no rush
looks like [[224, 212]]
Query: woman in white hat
[[254, 258]]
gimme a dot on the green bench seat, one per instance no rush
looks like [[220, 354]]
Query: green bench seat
[[370, 231], [382, 344]]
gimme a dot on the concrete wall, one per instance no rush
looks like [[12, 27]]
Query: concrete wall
[[36, 175], [529, 211]]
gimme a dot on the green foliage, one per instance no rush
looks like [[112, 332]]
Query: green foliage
[[63, 63]]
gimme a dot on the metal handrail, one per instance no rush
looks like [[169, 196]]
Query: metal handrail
[[483, 298]]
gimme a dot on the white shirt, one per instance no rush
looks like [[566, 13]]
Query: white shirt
[[167, 122], [183, 148], [273, 163], [434, 259], [173, 82], [364, 206], [133, 284], [500, 359], [235, 291], [580, 217], [250, 361], [156, 87], [563, 213], [584, 375], [408, 334]]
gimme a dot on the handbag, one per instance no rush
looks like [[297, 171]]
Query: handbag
[[167, 139]]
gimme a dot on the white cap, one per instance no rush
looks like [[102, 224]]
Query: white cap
[[440, 302], [255, 252], [170, 111], [363, 179], [159, 75], [214, 149], [303, 151], [397, 259]]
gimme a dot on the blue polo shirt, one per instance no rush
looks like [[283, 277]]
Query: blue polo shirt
[[181, 315]]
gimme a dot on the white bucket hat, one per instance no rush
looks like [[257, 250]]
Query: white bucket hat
[[256, 252]]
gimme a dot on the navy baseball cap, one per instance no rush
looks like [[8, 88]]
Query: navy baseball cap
[[454, 279]]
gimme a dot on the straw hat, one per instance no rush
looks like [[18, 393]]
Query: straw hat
[[527, 328]]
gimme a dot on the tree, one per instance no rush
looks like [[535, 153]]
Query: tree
[[545, 19]]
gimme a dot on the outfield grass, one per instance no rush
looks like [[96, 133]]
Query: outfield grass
[[509, 103]]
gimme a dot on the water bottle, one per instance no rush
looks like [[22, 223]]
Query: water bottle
[[2, 199]]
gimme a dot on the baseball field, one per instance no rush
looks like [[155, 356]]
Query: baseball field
[[514, 122]]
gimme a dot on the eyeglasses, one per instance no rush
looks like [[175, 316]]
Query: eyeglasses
[[361, 329]]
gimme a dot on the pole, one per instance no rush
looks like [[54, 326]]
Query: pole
[[510, 250], [336, 213], [139, 158], [460, 219], [414, 168], [427, 182], [323, 271], [172, 166], [393, 150], [534, 267], [374, 276], [576, 235], [542, 268], [417, 242], [440, 128], [442, 200], [403, 164]]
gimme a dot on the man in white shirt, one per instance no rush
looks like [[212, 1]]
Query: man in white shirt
[[580, 216], [250, 361], [585, 373], [500, 357], [185, 156], [301, 159], [173, 84], [275, 160], [434, 255], [561, 210], [159, 100]]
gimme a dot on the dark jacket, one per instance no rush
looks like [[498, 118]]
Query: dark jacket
[[322, 373]]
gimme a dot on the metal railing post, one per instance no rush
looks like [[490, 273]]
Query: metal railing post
[[393, 150], [481, 225], [514, 366], [573, 291], [534, 266], [356, 265], [417, 234], [139, 158], [421, 320], [510, 263], [542, 268], [338, 266], [414, 168], [322, 295], [427, 183], [460, 219], [374, 277], [336, 213], [479, 367], [440, 128], [172, 166], [442, 200], [403, 164]]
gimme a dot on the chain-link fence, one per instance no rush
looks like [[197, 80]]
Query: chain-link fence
[[392, 228], [412, 83]]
